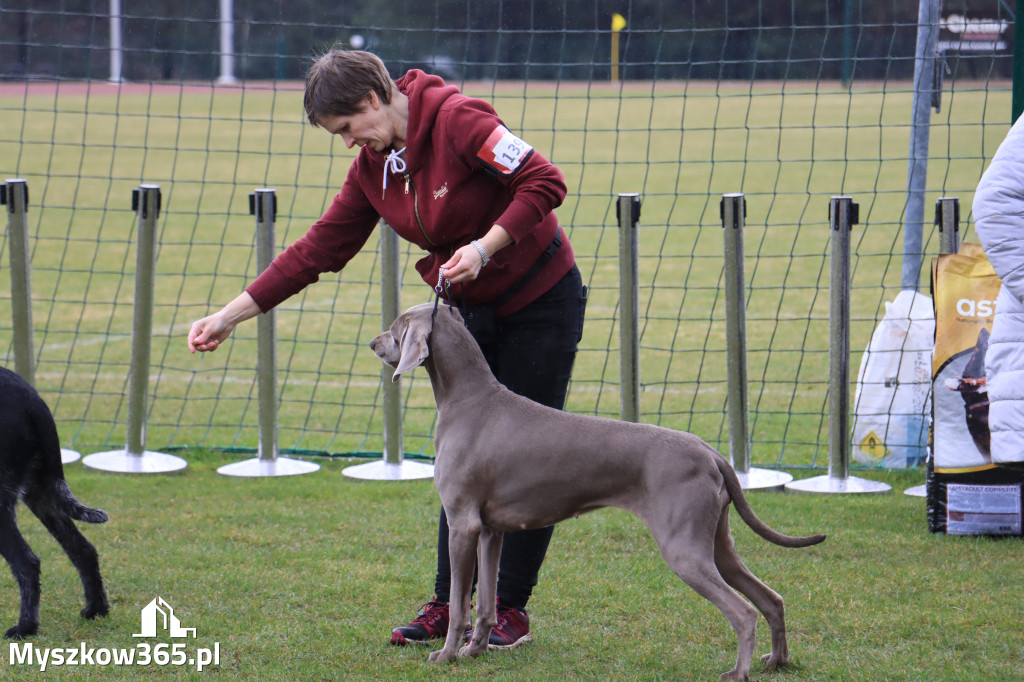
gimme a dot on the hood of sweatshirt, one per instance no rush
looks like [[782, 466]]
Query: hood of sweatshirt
[[427, 94]]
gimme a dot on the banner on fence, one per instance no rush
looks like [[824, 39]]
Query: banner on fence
[[975, 26]]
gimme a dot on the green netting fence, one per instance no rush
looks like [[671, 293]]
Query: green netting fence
[[788, 102]]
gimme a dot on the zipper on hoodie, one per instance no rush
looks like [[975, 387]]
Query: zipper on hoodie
[[416, 207]]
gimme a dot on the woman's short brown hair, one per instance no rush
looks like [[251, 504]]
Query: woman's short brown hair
[[339, 81]]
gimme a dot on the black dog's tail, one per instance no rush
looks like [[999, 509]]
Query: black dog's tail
[[75, 509], [48, 478]]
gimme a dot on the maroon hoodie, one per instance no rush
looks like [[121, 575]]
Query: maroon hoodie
[[464, 173]]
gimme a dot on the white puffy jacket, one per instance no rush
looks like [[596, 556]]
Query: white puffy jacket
[[999, 222]]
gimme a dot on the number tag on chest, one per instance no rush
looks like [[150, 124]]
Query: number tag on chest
[[503, 152]]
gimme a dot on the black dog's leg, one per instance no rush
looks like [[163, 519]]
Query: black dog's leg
[[25, 567], [81, 552]]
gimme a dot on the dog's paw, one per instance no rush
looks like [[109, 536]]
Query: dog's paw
[[20, 631], [473, 649], [774, 660], [734, 675], [442, 656], [92, 610]]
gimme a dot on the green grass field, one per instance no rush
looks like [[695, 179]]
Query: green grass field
[[302, 578], [787, 146]]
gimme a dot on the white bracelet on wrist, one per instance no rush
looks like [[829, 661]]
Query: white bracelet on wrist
[[484, 258]]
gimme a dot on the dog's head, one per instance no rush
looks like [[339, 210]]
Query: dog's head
[[406, 345]]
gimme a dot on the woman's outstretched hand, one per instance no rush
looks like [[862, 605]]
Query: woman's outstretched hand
[[208, 333]]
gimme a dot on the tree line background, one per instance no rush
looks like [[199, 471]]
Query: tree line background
[[492, 39]]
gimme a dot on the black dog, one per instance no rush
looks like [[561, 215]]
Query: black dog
[[31, 470]]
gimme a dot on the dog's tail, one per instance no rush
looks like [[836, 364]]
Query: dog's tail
[[743, 508], [75, 509], [48, 484]]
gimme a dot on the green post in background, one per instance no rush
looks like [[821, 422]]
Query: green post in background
[[847, 74], [1018, 62]]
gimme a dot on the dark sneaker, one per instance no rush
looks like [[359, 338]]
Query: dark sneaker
[[513, 628], [431, 623]]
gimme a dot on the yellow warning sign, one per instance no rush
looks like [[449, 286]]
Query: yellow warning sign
[[873, 446]]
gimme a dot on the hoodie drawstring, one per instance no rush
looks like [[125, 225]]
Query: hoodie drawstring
[[393, 164]]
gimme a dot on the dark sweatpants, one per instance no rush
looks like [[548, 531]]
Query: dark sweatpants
[[531, 352]]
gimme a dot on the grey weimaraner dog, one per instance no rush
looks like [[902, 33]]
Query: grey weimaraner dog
[[507, 463]]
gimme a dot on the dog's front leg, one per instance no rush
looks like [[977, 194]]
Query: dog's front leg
[[487, 586], [462, 543]]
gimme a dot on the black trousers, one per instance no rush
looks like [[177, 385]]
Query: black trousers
[[531, 352]]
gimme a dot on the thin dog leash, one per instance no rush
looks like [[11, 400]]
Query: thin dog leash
[[443, 286]]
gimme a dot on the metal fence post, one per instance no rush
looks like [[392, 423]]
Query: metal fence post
[[733, 211], [393, 465], [843, 214], [927, 91], [263, 205], [135, 458], [629, 357], [14, 194]]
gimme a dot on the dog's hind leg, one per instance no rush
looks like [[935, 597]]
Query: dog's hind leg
[[764, 598], [81, 552], [688, 549], [25, 567], [487, 591]]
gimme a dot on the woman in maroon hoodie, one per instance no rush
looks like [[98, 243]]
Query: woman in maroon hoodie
[[446, 174]]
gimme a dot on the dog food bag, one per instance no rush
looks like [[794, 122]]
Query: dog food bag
[[892, 404], [967, 494]]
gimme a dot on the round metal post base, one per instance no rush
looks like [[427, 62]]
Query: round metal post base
[[69, 456], [386, 471], [763, 479], [123, 462], [916, 491], [830, 485], [279, 466]]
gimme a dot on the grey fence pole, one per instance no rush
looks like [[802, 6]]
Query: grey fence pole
[[629, 334], [135, 458], [947, 217], [927, 90], [116, 42], [227, 42], [263, 205], [14, 194], [391, 296], [843, 214], [733, 211], [393, 465]]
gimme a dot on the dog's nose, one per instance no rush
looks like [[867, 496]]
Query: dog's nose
[[377, 345]]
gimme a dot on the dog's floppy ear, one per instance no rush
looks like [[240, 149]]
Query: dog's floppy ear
[[414, 349]]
